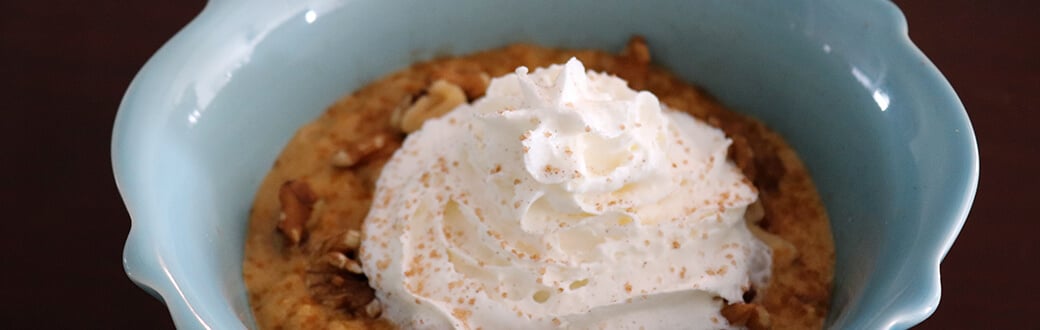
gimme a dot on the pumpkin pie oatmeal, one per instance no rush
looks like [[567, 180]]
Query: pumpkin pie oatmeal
[[531, 187]]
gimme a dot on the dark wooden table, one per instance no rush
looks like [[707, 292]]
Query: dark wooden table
[[64, 67]]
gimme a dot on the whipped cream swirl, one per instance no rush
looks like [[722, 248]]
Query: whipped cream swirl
[[563, 199]]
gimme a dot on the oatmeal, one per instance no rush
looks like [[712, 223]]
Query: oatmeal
[[302, 257]]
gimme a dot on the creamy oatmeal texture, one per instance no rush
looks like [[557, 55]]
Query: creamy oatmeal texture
[[562, 198], [303, 267]]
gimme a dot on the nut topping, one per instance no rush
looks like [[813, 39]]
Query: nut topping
[[341, 261], [374, 308], [752, 316], [473, 80], [297, 201], [335, 275], [355, 153], [755, 212], [352, 239], [634, 64], [637, 51], [441, 97]]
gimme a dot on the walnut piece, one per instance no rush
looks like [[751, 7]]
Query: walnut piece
[[752, 316], [755, 212], [740, 152], [297, 200], [374, 308], [636, 50], [441, 97], [634, 63], [354, 154], [351, 240], [341, 261], [473, 80], [335, 277]]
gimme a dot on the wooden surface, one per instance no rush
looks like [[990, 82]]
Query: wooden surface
[[65, 66]]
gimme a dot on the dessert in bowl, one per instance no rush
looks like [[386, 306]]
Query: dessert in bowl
[[537, 199], [207, 116]]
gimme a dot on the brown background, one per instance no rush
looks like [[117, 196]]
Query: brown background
[[64, 67]]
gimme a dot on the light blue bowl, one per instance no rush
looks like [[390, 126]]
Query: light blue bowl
[[885, 137]]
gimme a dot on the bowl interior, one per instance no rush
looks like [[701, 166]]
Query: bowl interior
[[884, 137]]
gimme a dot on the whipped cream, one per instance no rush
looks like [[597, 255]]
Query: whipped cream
[[564, 199]]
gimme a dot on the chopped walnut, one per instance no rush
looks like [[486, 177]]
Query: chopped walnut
[[634, 64], [441, 97], [755, 212], [374, 308], [335, 276], [752, 316], [351, 240], [341, 261], [297, 200], [472, 80], [636, 50], [355, 153], [342, 251], [740, 152], [402, 107]]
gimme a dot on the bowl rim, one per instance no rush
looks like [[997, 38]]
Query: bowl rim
[[144, 261]]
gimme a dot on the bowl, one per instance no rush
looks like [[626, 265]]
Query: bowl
[[884, 136]]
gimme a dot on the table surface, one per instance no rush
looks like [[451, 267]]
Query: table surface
[[65, 68]]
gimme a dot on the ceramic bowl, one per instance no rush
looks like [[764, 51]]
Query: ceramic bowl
[[884, 136]]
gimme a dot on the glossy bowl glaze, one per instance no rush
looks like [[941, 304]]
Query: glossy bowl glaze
[[885, 137]]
